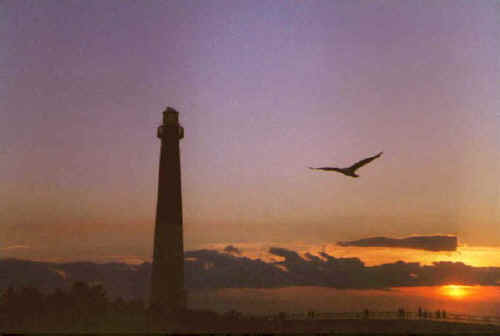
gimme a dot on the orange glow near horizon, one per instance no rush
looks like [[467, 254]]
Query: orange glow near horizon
[[476, 256]]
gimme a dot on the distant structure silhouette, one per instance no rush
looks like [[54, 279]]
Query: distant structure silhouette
[[350, 171], [167, 278]]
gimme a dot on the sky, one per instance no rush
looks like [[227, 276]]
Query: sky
[[264, 90]]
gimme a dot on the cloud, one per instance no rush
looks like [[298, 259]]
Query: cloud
[[429, 243], [232, 249], [14, 247], [127, 259], [210, 269], [228, 271], [61, 273]]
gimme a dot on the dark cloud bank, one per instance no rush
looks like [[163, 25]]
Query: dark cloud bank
[[429, 243], [209, 269]]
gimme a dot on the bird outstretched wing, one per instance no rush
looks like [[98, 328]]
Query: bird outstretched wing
[[364, 161], [324, 168]]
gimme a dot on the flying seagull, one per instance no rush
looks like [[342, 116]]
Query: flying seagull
[[349, 171]]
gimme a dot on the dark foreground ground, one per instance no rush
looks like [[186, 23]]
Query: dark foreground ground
[[258, 326], [401, 327], [86, 309]]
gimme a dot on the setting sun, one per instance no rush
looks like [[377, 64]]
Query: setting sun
[[456, 291]]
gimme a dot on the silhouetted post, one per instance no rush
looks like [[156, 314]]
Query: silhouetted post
[[167, 279]]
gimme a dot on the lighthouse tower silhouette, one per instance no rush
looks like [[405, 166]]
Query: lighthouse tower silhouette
[[167, 278]]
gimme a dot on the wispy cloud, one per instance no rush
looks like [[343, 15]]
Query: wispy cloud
[[127, 259], [14, 247], [429, 243], [61, 273]]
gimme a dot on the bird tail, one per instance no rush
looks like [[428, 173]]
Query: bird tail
[[312, 168]]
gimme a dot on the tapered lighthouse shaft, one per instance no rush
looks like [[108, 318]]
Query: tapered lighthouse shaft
[[167, 279]]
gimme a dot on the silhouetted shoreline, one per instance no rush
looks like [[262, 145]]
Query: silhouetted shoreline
[[86, 308]]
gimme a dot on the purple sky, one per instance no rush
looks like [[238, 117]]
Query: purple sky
[[264, 90]]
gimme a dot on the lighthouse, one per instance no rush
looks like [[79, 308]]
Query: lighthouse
[[167, 278]]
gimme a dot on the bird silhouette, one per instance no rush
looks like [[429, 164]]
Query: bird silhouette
[[350, 171]]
